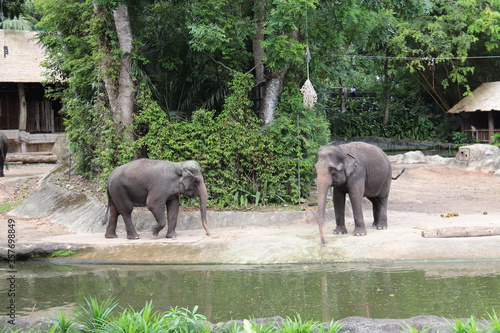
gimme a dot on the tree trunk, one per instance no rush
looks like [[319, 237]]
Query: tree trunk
[[387, 92], [120, 90], [258, 51], [270, 100], [461, 232], [125, 96]]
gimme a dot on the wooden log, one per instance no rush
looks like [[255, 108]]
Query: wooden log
[[461, 232], [31, 158]]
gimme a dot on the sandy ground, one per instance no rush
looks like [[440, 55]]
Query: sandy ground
[[419, 200]]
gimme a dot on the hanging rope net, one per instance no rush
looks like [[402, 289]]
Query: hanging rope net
[[310, 97]]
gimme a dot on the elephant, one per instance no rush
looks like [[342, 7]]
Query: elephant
[[155, 184], [4, 148], [360, 170]]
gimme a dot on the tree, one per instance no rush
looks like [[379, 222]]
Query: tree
[[115, 64], [442, 39], [12, 8]]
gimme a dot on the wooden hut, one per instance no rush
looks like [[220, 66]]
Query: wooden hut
[[480, 112], [30, 120]]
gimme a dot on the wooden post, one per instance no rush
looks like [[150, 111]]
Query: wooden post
[[23, 109], [23, 113], [491, 125]]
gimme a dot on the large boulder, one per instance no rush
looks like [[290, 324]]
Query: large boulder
[[479, 156]]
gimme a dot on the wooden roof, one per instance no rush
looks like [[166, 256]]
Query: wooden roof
[[23, 62], [484, 98]]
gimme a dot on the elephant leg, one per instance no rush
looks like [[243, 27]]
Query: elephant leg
[[158, 210], [112, 220], [357, 210], [125, 210], [379, 212], [173, 212], [339, 207]]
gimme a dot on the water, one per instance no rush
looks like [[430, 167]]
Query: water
[[224, 292]]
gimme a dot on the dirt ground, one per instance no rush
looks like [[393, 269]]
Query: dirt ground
[[424, 197]]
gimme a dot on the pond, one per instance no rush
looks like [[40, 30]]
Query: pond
[[224, 292]]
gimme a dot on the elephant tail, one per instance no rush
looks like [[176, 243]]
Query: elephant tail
[[394, 178], [105, 219]]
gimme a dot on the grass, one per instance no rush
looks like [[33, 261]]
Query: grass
[[7, 206], [103, 317], [94, 316]]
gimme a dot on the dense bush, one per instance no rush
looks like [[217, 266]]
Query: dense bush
[[243, 163], [364, 117]]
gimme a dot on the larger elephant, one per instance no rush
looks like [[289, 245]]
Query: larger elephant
[[154, 184], [4, 147], [360, 170]]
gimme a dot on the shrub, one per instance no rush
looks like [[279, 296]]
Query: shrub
[[243, 163]]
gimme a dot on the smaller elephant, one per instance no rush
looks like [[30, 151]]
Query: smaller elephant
[[153, 183], [4, 148], [359, 170]]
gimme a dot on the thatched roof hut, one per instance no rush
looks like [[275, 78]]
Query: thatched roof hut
[[21, 57], [30, 121], [480, 111]]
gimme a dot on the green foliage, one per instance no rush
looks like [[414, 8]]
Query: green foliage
[[364, 118], [62, 253], [495, 139], [63, 324], [95, 316], [462, 138], [243, 164]]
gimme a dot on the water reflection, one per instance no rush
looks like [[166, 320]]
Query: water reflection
[[318, 292]]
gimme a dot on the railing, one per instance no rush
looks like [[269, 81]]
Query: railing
[[483, 135]]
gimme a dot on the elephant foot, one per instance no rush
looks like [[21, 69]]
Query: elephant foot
[[340, 230], [380, 226], [172, 235], [156, 231], [133, 236], [111, 235], [359, 232]]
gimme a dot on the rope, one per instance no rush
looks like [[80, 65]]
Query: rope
[[310, 96]]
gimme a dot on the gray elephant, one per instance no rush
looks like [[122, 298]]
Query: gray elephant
[[360, 170], [4, 148], [153, 183]]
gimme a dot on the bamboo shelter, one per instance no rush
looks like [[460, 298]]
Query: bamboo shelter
[[479, 112], [30, 121]]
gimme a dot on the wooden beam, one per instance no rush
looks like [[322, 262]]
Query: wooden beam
[[461, 232]]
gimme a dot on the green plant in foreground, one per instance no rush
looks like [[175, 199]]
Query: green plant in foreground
[[94, 316], [185, 321], [495, 323], [62, 325]]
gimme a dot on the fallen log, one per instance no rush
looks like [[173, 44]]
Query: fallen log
[[31, 158], [461, 232]]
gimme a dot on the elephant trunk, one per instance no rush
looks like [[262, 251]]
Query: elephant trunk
[[322, 184], [202, 189]]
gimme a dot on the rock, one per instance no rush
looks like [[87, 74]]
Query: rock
[[478, 156], [28, 251], [418, 157], [17, 324]]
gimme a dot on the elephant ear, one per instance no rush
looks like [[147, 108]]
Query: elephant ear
[[349, 164], [188, 178]]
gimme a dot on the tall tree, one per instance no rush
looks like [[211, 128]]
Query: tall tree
[[116, 69]]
